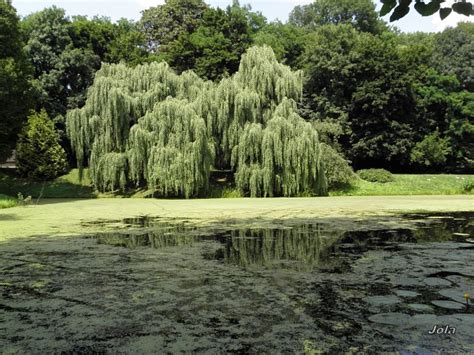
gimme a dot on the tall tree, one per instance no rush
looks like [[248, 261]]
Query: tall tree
[[165, 23], [39, 155], [15, 89], [148, 125], [454, 53], [128, 45], [445, 114], [214, 49], [112, 42], [62, 71], [360, 13], [286, 40], [360, 80]]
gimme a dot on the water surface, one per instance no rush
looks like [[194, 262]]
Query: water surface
[[153, 285]]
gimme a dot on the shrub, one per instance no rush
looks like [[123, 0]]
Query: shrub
[[376, 175], [7, 201], [468, 185], [431, 151], [39, 155], [338, 171]]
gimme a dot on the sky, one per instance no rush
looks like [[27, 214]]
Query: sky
[[271, 9]]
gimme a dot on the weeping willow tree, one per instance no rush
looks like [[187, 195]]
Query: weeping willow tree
[[149, 126], [256, 131], [170, 149], [139, 125], [281, 158]]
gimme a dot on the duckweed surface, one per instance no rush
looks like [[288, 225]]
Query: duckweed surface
[[326, 285]]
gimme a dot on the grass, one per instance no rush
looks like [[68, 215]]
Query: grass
[[7, 201], [67, 186], [70, 186], [405, 184]]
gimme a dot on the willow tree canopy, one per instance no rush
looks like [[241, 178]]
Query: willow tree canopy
[[146, 125]]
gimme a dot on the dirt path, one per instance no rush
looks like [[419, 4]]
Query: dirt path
[[67, 216]]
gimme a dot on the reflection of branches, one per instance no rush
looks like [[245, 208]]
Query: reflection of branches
[[303, 246], [161, 238], [400, 8]]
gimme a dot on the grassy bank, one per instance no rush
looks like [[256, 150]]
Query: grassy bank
[[67, 186], [405, 184], [71, 186], [7, 201]]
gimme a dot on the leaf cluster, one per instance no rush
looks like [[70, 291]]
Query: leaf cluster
[[400, 8]]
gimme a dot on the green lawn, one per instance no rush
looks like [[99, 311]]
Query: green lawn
[[405, 184], [67, 186], [70, 186]]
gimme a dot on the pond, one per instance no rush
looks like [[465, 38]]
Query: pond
[[149, 285]]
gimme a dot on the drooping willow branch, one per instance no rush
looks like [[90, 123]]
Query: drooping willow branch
[[147, 125]]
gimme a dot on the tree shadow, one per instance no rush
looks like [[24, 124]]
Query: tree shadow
[[8, 217]]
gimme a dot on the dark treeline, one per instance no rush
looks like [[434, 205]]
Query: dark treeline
[[382, 98]]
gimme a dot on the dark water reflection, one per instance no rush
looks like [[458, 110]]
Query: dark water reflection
[[299, 246], [322, 286]]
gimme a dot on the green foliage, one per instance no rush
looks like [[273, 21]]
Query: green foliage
[[66, 186], [149, 125], [329, 132], [7, 201], [39, 155], [407, 184], [360, 80], [376, 175], [163, 24], [454, 53], [468, 185], [338, 170], [14, 85], [128, 45], [425, 8], [112, 42], [167, 146], [180, 155], [360, 14], [66, 53], [213, 49], [282, 159], [432, 150], [286, 40], [442, 106], [62, 72]]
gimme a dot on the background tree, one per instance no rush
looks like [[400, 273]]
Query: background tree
[[14, 75], [286, 40], [454, 53], [165, 23], [128, 45], [214, 49], [62, 72], [360, 80], [39, 154], [360, 14]]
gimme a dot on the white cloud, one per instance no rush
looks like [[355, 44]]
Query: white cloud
[[452, 20]]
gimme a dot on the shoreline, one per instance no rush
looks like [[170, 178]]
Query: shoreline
[[69, 216]]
